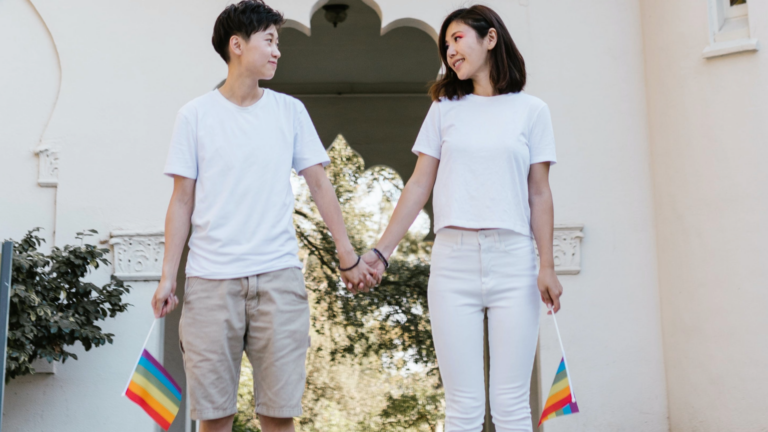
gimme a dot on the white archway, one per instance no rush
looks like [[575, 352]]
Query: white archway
[[303, 25], [410, 22]]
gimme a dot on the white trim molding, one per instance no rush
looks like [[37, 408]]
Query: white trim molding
[[138, 254], [566, 248], [566, 244], [729, 29], [48, 155], [729, 47]]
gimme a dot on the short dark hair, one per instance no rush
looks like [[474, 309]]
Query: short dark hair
[[243, 19], [507, 64]]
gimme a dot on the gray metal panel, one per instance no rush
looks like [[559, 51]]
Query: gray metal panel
[[6, 261]]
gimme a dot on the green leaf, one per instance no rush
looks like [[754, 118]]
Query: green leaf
[[51, 307]]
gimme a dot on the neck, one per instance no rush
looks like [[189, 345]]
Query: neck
[[481, 83], [240, 87]]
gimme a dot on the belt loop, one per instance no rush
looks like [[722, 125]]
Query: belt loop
[[497, 237], [461, 238]]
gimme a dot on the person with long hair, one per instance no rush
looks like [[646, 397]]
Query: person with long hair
[[486, 148]]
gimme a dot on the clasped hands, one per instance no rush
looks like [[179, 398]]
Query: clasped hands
[[363, 276]]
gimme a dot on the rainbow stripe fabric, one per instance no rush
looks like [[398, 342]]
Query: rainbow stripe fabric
[[560, 401], [154, 390]]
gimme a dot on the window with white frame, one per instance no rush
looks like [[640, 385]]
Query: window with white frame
[[729, 28]]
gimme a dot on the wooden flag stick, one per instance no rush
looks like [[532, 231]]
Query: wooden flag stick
[[565, 361], [130, 377]]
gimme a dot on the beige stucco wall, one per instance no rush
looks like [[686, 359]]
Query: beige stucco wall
[[125, 70], [709, 139], [127, 67], [29, 85], [585, 60]]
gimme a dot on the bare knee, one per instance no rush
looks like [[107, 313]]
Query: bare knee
[[276, 424], [223, 424]]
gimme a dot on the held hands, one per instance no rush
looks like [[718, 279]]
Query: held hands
[[550, 289], [164, 300], [360, 277], [375, 263]]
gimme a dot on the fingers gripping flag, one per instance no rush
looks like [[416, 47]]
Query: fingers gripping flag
[[561, 400], [153, 389]]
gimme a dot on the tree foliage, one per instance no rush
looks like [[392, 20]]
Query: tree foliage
[[411, 410], [246, 404], [392, 319], [371, 366], [52, 307], [385, 332]]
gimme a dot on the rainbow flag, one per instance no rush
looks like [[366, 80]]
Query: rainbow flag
[[154, 390], [561, 401]]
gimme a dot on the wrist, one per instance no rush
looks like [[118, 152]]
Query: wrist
[[344, 268], [381, 257], [547, 267], [166, 277], [385, 250], [546, 260], [347, 256]]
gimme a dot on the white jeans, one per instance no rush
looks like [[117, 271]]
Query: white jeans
[[471, 272]]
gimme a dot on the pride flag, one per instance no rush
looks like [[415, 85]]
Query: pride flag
[[153, 389], [561, 400]]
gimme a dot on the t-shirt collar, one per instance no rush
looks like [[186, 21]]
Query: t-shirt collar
[[251, 107]]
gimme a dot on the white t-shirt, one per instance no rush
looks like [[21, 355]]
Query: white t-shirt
[[486, 146], [242, 223]]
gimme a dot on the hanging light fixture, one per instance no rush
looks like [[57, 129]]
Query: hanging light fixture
[[335, 13]]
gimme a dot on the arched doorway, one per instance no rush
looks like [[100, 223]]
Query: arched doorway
[[370, 88]]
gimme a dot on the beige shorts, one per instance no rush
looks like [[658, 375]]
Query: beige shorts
[[267, 316]]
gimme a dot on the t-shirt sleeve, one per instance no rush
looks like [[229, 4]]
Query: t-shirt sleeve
[[308, 150], [541, 138], [182, 155], [429, 141]]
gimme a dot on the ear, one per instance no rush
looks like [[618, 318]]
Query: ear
[[492, 37], [236, 45]]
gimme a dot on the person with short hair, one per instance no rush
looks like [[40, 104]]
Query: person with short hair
[[486, 148], [231, 157]]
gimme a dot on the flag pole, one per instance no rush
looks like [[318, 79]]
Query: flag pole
[[565, 361], [139, 358]]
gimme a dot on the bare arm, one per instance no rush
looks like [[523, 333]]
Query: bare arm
[[411, 202], [362, 276], [542, 223], [177, 223]]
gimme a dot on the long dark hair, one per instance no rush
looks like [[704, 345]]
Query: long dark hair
[[507, 64]]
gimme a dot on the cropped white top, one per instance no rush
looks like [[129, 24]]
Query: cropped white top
[[486, 146]]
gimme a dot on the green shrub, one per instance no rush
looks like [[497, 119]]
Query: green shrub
[[51, 306]]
